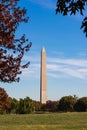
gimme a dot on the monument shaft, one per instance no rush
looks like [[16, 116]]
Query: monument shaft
[[43, 88]]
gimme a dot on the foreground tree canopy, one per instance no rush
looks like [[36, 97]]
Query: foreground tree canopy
[[73, 7], [12, 49]]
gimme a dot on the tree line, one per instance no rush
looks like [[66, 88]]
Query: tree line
[[13, 49], [27, 105]]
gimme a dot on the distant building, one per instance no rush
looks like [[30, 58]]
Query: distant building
[[43, 85]]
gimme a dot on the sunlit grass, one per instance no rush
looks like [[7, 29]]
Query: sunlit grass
[[51, 121]]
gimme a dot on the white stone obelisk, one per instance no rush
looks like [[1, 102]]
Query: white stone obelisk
[[43, 87]]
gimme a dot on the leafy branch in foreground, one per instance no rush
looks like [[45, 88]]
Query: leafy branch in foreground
[[12, 49], [73, 7]]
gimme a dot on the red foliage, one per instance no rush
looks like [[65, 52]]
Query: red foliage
[[12, 50], [4, 101]]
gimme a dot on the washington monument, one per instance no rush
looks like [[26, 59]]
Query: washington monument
[[43, 88]]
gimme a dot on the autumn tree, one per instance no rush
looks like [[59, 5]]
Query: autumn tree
[[51, 106], [4, 101], [12, 49], [73, 7]]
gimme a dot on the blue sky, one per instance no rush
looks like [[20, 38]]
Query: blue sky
[[66, 51]]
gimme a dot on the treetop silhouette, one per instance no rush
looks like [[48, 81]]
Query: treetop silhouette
[[72, 7]]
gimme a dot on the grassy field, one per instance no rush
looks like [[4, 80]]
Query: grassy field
[[54, 121]]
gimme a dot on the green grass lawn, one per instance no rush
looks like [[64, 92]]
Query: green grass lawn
[[51, 121]]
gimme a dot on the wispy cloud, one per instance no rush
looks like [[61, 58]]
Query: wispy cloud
[[75, 62], [50, 4], [33, 71], [76, 68], [58, 68]]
